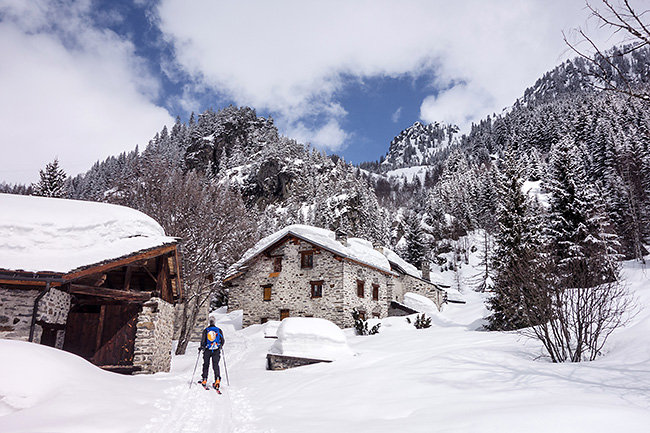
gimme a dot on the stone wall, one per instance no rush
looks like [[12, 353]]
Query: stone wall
[[153, 339], [17, 309], [371, 307], [54, 307], [290, 288], [283, 362], [407, 283]]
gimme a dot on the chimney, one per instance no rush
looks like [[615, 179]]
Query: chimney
[[378, 247], [342, 237], [426, 272]]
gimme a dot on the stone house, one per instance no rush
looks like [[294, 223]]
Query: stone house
[[94, 279], [310, 272]]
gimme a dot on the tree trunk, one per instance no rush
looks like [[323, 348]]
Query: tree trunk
[[190, 313]]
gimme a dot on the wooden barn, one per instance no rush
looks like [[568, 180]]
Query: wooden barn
[[94, 279]]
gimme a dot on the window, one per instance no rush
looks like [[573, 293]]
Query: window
[[362, 315], [316, 289], [277, 264], [264, 320], [375, 292], [376, 315], [307, 259], [284, 314], [267, 292], [360, 285]]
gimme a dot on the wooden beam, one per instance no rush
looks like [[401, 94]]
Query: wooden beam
[[100, 327], [127, 278], [102, 292], [121, 262], [28, 283]]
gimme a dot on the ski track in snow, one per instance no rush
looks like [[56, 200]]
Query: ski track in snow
[[190, 409]]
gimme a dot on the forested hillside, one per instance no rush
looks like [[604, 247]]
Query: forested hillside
[[227, 177]]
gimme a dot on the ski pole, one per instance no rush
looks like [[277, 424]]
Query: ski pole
[[195, 365], [225, 367]]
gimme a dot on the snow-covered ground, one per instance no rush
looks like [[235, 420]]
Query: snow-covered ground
[[447, 378]]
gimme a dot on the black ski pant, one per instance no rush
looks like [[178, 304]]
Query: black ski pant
[[213, 355]]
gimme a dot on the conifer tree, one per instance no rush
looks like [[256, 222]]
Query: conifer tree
[[578, 231], [416, 248], [517, 241], [52, 182]]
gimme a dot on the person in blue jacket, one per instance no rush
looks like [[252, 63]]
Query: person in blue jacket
[[211, 342]]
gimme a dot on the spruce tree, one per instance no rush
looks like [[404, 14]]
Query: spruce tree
[[515, 253], [52, 182], [416, 249], [579, 232]]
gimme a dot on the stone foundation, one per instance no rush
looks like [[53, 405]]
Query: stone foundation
[[282, 362]]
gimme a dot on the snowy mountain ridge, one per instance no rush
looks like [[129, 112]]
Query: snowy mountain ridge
[[419, 145]]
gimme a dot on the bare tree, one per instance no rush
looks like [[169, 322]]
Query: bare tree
[[211, 220], [621, 18], [574, 323]]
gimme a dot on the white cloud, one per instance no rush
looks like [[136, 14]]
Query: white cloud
[[68, 90], [459, 105], [288, 56], [396, 115], [330, 137]]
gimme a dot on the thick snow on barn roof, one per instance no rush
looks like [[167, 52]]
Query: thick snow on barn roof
[[39, 234], [357, 249]]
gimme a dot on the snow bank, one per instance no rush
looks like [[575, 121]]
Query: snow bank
[[232, 319], [309, 337], [420, 303], [57, 235], [49, 390]]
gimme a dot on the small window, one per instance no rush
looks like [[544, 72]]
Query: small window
[[375, 292], [264, 320], [284, 314], [376, 315], [316, 289], [267, 292], [362, 315], [360, 291], [307, 259], [277, 264]]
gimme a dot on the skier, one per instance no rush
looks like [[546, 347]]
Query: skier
[[211, 341]]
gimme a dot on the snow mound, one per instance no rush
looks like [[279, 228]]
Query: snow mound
[[310, 337], [271, 329], [39, 384], [420, 303], [225, 319]]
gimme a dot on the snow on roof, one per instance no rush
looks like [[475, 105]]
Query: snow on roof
[[356, 249], [39, 234], [310, 337]]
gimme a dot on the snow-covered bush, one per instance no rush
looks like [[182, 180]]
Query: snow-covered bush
[[361, 325], [421, 321]]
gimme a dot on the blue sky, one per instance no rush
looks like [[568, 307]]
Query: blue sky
[[82, 80]]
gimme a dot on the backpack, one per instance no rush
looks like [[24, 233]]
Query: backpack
[[213, 338]]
